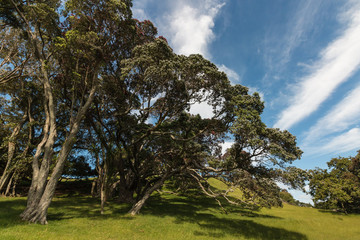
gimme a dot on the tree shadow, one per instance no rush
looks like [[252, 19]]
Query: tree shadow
[[62, 208], [212, 225], [85, 207], [338, 213], [203, 212], [10, 209]]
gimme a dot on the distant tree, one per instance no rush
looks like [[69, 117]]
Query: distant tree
[[287, 197], [78, 167], [339, 186]]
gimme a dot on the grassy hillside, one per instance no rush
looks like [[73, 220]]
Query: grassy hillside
[[169, 216]]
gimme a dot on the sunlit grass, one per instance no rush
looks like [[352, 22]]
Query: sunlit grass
[[174, 217]]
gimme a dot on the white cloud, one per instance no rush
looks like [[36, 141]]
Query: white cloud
[[337, 63], [138, 9], [203, 109], [225, 146], [343, 143], [189, 25], [340, 118], [301, 196], [231, 74]]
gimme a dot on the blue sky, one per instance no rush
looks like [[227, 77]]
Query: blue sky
[[303, 57]]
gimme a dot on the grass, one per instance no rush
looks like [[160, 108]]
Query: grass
[[174, 217]]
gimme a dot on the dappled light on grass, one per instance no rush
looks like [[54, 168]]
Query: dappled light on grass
[[167, 216]]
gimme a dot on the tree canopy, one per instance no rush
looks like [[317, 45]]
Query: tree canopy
[[339, 186], [86, 81]]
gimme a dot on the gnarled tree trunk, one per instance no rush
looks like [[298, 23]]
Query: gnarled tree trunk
[[42, 191], [139, 204]]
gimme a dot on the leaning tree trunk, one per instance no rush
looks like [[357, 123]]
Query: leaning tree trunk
[[139, 204], [41, 192], [11, 152]]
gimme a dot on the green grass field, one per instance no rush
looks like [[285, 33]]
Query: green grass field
[[174, 217]]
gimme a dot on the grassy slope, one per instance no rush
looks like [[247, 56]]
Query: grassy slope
[[174, 217]]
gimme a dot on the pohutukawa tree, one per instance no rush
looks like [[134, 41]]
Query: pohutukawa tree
[[153, 136], [140, 128]]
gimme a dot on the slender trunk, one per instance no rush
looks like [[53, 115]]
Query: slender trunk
[[4, 179], [41, 172], [139, 204], [11, 152], [13, 194], [9, 185], [112, 188], [42, 192], [93, 186], [102, 197]]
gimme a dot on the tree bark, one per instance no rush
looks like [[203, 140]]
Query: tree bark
[[93, 187], [102, 197], [139, 204], [11, 152], [42, 192], [9, 185], [126, 195]]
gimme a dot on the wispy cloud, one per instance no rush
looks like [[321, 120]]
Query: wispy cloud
[[341, 117], [231, 74], [345, 142], [338, 61], [279, 47]]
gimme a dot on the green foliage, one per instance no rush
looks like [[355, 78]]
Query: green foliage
[[338, 187], [287, 197]]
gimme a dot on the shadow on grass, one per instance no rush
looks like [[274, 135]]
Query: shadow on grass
[[205, 213], [201, 211], [338, 212], [10, 209], [61, 208], [85, 207]]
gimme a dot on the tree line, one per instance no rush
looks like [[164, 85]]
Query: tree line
[[82, 81]]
